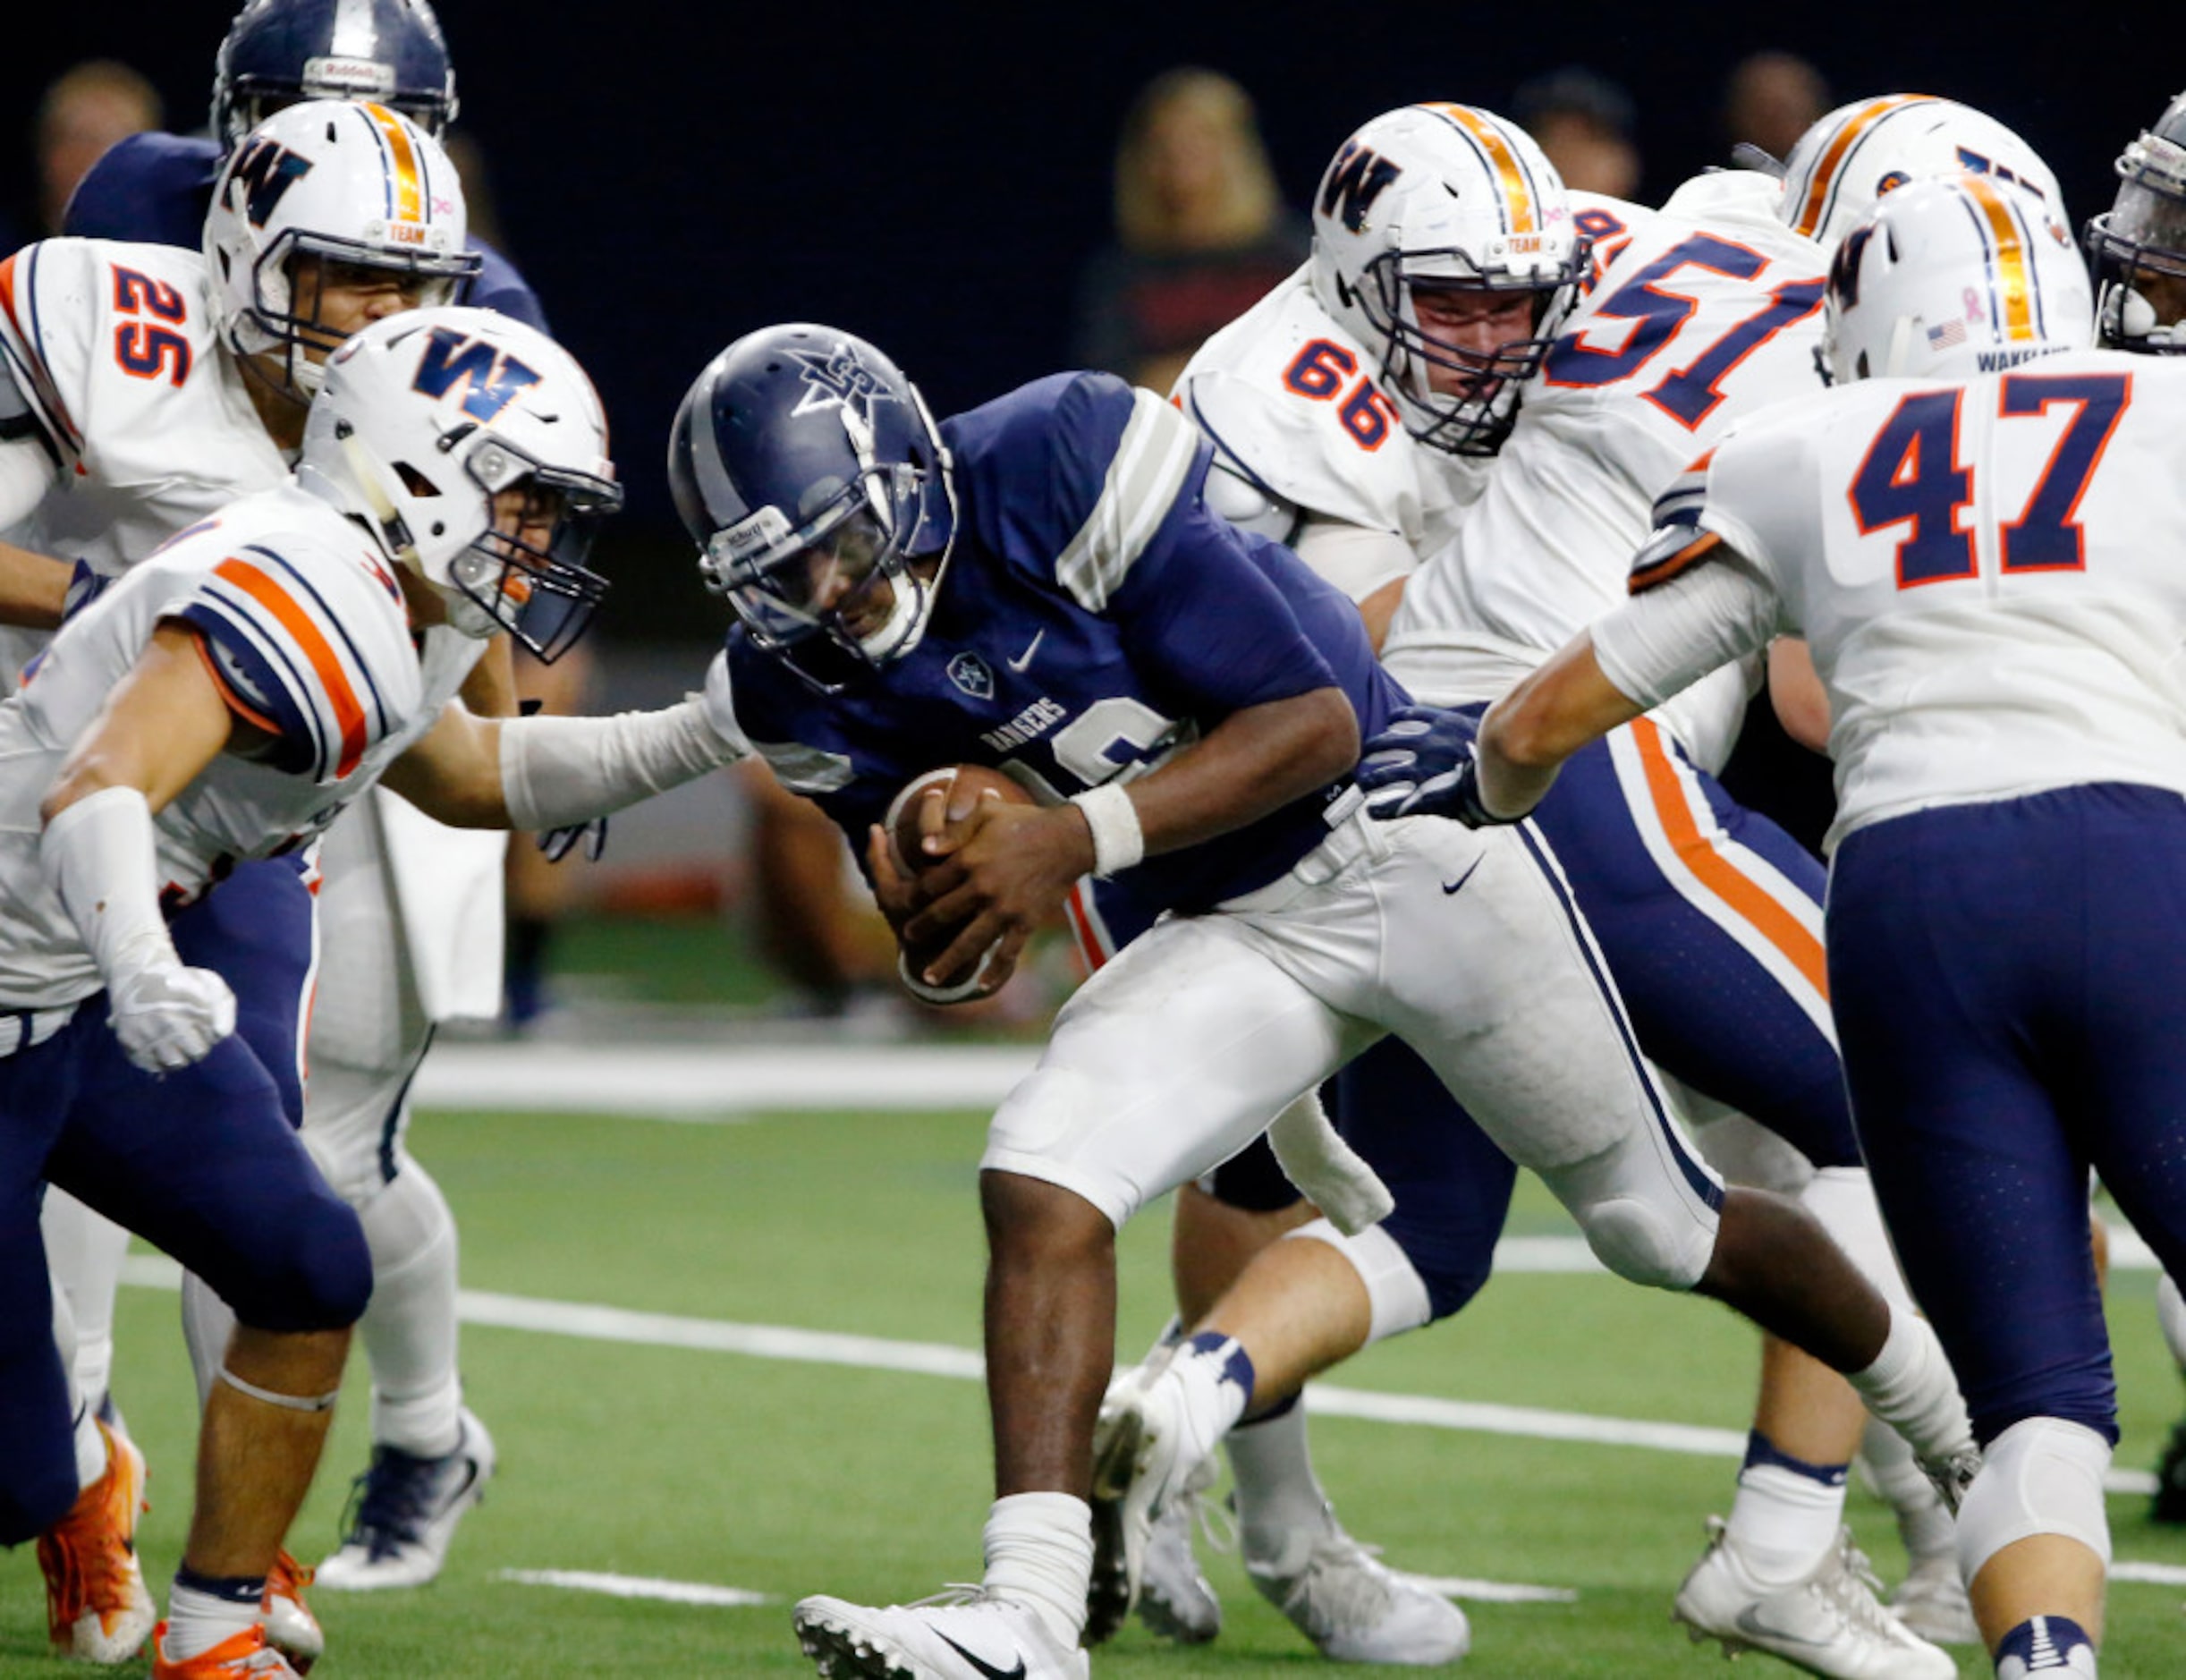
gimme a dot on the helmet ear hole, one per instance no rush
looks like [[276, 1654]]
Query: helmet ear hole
[[415, 481]]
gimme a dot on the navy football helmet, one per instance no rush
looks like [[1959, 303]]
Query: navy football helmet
[[812, 476], [278, 51], [2139, 245]]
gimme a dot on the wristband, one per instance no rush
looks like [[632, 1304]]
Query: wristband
[[1118, 840]]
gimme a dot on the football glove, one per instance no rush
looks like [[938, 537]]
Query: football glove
[[85, 586], [167, 1016], [559, 843], [1423, 765]]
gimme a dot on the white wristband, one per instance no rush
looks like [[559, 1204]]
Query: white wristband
[[1118, 840]]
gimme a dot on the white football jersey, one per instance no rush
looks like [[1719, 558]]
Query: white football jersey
[[1289, 400], [147, 417], [305, 630], [1690, 327], [1987, 572]]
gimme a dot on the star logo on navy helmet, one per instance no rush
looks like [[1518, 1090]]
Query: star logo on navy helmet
[[838, 380]]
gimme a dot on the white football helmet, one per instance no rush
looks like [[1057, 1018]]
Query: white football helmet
[[424, 419], [359, 185], [1444, 197], [1845, 164], [1951, 277], [2140, 244]]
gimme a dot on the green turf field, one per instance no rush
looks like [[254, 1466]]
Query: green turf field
[[786, 1476]]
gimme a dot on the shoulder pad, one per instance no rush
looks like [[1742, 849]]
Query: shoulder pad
[[1247, 504]]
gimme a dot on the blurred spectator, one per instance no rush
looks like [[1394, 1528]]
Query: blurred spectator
[[1585, 122], [83, 112], [1771, 100], [1201, 234]]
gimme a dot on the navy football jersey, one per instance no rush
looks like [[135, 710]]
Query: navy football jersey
[[155, 189], [1094, 618]]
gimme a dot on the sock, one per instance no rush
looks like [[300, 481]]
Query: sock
[[409, 1328], [1909, 1387], [202, 1610], [90, 1447], [1039, 1553], [1924, 1520], [2046, 1644], [1281, 1509], [1786, 1514], [1214, 1375]]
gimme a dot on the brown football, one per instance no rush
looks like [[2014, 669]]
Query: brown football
[[902, 821], [902, 826]]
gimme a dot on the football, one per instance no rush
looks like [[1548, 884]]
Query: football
[[902, 821], [902, 824]]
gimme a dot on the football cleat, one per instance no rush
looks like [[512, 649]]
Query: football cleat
[[965, 1634], [1355, 1608], [244, 1656], [290, 1628], [1953, 1475], [96, 1608], [404, 1510], [1830, 1621], [1142, 1459], [1932, 1601], [1175, 1599]]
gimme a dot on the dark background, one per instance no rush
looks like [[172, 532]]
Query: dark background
[[669, 175]]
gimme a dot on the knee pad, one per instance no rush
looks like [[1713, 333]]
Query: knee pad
[[1396, 1293], [1639, 1244], [2041, 1476], [408, 1217]]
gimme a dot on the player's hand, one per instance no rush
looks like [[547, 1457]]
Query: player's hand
[[1008, 870], [1424, 763], [168, 1016], [556, 844]]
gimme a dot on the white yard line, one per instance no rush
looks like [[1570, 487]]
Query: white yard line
[[593, 1323], [634, 1587]]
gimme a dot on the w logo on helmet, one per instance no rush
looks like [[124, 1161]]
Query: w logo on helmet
[[839, 381], [266, 170], [451, 359], [1358, 176]]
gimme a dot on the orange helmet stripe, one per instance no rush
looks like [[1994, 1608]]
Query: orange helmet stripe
[[1503, 159], [1833, 157], [409, 196], [2014, 271]]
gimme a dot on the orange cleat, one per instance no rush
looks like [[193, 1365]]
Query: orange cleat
[[244, 1656], [290, 1628], [95, 1605]]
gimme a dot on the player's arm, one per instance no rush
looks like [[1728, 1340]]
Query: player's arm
[[162, 725], [490, 688], [33, 587], [1370, 566], [1686, 619], [544, 772], [1795, 691]]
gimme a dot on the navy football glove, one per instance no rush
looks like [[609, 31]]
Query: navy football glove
[[1422, 765]]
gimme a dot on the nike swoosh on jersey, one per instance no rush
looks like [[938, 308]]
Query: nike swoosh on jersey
[[1025, 658], [1449, 887], [980, 1663]]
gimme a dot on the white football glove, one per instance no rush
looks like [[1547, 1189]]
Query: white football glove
[[167, 1016]]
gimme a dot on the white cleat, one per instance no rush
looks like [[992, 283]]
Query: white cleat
[[1175, 1599], [1932, 1601], [290, 1627], [1355, 1608], [964, 1633], [1831, 1623], [1142, 1459], [404, 1513]]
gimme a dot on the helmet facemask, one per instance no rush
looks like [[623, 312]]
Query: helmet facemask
[[2138, 249], [818, 582], [539, 590], [1477, 420], [286, 318]]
